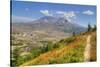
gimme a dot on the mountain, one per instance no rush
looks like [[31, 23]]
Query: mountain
[[49, 23], [60, 23]]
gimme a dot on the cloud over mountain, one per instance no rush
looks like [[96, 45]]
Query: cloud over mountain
[[45, 12], [88, 12], [70, 15]]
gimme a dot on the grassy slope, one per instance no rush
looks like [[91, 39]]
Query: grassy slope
[[71, 50]]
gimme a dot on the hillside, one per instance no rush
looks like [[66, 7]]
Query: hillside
[[70, 50]]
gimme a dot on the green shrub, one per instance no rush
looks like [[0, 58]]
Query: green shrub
[[52, 61], [47, 46], [36, 52], [15, 56]]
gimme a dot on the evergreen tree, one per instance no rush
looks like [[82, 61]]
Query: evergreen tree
[[89, 27], [73, 33]]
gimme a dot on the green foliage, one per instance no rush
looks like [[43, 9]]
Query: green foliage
[[56, 45], [52, 61], [47, 46], [15, 55], [17, 59], [74, 55], [36, 52], [22, 59]]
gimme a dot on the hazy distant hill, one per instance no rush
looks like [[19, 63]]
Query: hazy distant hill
[[49, 23]]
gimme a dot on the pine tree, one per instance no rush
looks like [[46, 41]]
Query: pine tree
[[73, 33], [89, 27]]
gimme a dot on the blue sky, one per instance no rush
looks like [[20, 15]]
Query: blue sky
[[29, 11]]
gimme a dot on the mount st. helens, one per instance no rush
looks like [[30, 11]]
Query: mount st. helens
[[49, 23]]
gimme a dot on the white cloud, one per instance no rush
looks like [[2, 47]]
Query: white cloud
[[67, 14], [46, 12], [21, 19], [70, 15], [88, 12]]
